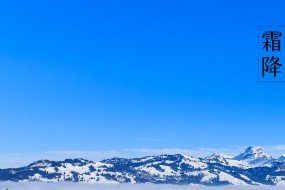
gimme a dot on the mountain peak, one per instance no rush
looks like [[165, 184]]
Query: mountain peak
[[282, 158], [254, 155], [218, 155], [39, 163], [256, 151], [252, 152], [76, 161], [217, 158]]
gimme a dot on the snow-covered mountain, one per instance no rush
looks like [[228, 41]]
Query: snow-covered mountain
[[252, 167], [254, 156], [282, 158]]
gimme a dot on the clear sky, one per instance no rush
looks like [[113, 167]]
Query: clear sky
[[121, 74]]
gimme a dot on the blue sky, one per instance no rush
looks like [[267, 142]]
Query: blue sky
[[114, 75]]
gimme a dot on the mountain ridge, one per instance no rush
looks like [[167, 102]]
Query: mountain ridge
[[253, 167]]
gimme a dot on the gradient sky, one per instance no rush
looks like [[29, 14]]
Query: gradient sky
[[118, 74]]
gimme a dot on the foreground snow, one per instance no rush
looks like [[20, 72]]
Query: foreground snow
[[86, 186]]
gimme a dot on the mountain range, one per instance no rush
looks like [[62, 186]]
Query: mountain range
[[252, 167]]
